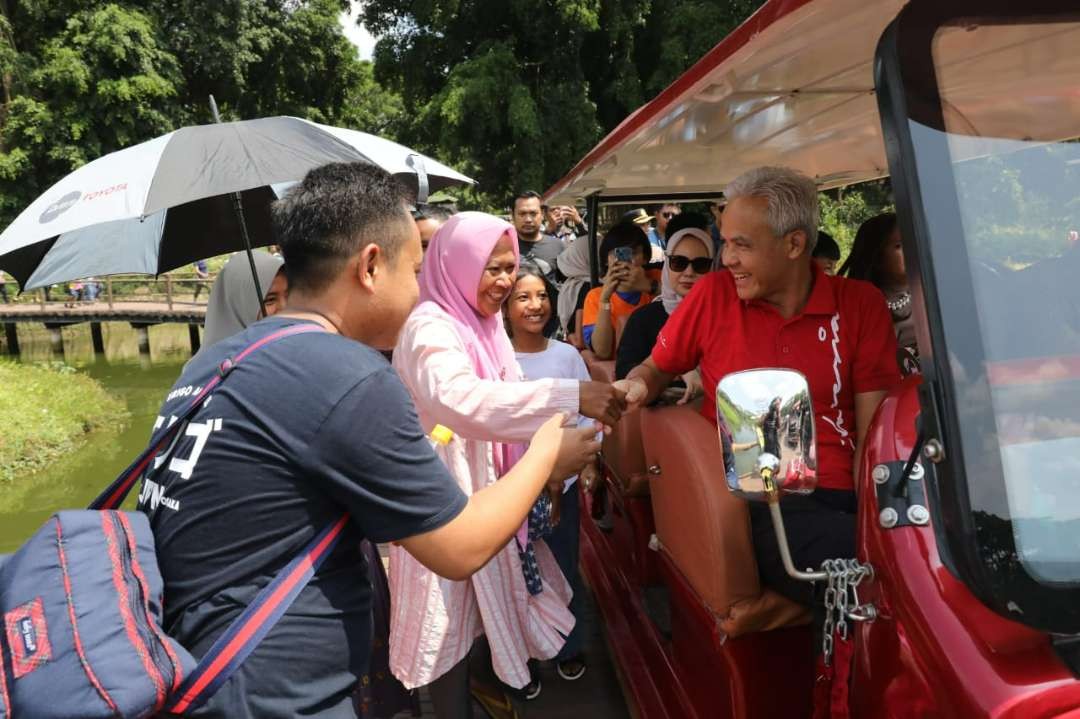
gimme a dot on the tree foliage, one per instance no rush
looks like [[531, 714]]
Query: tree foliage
[[1019, 207], [77, 85], [843, 210], [81, 79], [516, 92]]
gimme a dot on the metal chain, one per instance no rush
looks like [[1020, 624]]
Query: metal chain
[[841, 597], [830, 610]]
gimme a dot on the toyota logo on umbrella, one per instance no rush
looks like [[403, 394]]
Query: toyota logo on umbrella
[[59, 207]]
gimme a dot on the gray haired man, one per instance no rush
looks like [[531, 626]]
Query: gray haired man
[[774, 307]]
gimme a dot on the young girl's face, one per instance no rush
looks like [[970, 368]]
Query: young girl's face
[[529, 307]]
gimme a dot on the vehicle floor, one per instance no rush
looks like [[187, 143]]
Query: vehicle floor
[[596, 695]]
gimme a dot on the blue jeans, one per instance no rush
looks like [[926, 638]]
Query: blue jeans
[[564, 541]]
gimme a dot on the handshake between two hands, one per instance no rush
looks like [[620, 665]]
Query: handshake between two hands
[[577, 447], [606, 403]]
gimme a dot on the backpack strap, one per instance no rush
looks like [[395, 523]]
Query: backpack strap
[[115, 493], [246, 631]]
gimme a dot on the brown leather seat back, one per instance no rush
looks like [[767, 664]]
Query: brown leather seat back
[[624, 455], [600, 370], [702, 527]]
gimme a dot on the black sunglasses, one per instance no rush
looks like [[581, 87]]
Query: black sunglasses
[[668, 215], [679, 263]]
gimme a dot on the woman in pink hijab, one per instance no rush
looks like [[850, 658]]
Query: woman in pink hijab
[[456, 360]]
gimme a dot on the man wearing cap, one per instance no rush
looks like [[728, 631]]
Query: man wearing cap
[[641, 218]]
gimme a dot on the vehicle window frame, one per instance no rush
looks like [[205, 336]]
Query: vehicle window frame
[[905, 79]]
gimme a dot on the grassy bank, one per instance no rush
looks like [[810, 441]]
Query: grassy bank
[[47, 411]]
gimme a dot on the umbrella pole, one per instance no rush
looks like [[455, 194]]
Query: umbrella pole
[[238, 205]]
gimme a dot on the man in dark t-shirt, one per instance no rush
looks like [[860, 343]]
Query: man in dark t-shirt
[[308, 427], [312, 425], [533, 242]]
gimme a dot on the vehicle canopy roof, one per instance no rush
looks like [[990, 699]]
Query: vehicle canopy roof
[[794, 86]]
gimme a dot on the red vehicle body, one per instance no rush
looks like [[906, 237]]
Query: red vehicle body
[[693, 632]]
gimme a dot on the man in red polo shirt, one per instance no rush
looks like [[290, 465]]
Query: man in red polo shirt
[[774, 307]]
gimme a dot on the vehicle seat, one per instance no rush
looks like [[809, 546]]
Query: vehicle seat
[[600, 370], [624, 455], [623, 451], [705, 530]]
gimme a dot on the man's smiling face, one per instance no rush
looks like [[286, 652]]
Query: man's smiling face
[[758, 259]]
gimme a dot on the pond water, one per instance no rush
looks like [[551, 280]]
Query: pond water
[[141, 381]]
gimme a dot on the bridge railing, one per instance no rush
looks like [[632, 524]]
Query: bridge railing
[[116, 289]]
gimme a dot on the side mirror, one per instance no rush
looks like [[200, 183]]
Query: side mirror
[[766, 426]]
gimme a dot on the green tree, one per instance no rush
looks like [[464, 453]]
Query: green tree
[[76, 86], [496, 88], [844, 209], [679, 32], [516, 92], [370, 107], [81, 79], [271, 57]]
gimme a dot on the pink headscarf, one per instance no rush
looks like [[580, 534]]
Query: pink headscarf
[[450, 276]]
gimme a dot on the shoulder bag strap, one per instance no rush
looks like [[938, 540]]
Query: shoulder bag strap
[[243, 635], [114, 494]]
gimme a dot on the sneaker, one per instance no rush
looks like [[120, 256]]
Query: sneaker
[[571, 669], [532, 689]]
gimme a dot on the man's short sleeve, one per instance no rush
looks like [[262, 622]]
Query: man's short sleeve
[[678, 346], [371, 455], [875, 366]]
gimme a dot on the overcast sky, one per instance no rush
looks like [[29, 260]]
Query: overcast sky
[[357, 34]]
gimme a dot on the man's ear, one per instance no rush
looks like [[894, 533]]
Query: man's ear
[[796, 244], [370, 263]]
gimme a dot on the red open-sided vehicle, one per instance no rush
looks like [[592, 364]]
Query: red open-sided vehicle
[[969, 502]]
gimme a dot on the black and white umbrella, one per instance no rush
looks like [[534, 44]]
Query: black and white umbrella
[[167, 202]]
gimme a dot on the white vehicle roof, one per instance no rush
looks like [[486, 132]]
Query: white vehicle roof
[[794, 86]]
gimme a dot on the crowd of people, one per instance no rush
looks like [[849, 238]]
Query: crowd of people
[[475, 323]]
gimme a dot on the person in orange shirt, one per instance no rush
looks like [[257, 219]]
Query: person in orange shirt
[[623, 255]]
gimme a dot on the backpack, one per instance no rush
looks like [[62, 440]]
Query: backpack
[[82, 606]]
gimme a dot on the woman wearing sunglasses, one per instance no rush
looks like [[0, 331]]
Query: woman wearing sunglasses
[[689, 257]]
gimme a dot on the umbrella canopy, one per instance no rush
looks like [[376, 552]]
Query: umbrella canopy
[[167, 202]]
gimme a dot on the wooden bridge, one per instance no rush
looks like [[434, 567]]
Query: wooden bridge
[[135, 312], [137, 300]]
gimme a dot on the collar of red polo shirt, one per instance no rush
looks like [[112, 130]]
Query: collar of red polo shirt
[[842, 342]]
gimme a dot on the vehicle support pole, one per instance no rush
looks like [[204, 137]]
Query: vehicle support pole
[[592, 205], [238, 205]]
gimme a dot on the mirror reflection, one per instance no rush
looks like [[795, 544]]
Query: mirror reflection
[[766, 422]]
